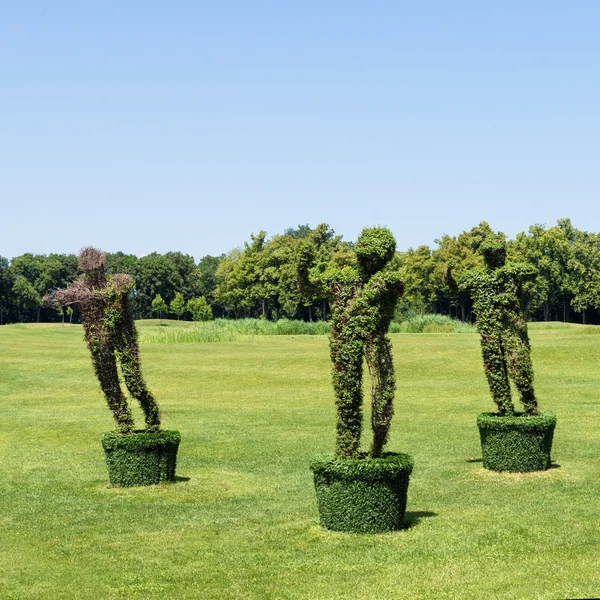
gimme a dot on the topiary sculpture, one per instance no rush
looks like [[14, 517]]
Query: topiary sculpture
[[359, 491], [111, 336], [509, 441]]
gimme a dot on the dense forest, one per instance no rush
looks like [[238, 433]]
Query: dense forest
[[259, 279]]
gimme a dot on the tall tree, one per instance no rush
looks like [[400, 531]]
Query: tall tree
[[159, 306], [584, 271], [177, 305], [6, 284], [154, 275]]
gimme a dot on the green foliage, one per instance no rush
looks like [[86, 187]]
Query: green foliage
[[418, 275], [159, 306], [155, 275], [374, 249], [432, 324], [200, 309], [110, 334], [363, 299], [497, 290], [26, 294], [177, 305], [516, 443], [141, 458], [6, 284], [363, 495], [32, 276], [227, 330], [261, 279], [207, 277]]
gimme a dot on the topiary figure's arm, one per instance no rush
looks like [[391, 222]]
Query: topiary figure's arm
[[77, 293]]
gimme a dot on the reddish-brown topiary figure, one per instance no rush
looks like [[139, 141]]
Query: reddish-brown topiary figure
[[111, 335]]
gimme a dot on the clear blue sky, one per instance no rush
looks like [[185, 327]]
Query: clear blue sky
[[152, 126]]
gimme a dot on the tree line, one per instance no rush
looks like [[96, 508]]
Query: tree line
[[259, 279]]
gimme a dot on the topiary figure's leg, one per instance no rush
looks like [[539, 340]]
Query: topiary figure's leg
[[105, 365], [347, 357], [383, 384], [132, 374], [518, 355], [494, 364]]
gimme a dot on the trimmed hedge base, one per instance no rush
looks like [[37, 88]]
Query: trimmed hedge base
[[517, 444], [362, 495], [140, 458]]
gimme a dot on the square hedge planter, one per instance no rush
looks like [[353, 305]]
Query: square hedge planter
[[517, 444], [362, 495], [140, 458]]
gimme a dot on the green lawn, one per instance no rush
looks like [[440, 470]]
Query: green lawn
[[241, 522]]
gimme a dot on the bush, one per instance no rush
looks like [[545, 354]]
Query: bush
[[432, 324], [140, 458], [111, 336], [226, 330], [516, 443], [362, 495], [200, 309]]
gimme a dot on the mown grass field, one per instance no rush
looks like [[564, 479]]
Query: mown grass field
[[241, 521]]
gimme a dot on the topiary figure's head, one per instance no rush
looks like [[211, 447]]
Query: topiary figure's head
[[493, 250], [374, 248], [93, 264]]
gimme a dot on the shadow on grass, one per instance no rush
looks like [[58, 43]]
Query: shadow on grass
[[178, 478], [553, 465], [412, 518]]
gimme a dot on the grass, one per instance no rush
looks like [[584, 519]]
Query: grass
[[222, 330], [167, 331], [431, 323], [241, 522]]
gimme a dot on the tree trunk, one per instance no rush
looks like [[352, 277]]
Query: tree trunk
[[310, 313], [39, 310], [584, 315]]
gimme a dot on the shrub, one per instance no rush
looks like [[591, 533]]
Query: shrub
[[515, 443], [178, 305], [362, 496], [497, 291], [142, 459], [432, 323], [111, 335], [226, 330], [200, 309], [363, 298], [510, 441]]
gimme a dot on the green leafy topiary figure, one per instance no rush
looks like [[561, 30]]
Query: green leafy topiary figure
[[111, 335], [497, 290], [364, 290]]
